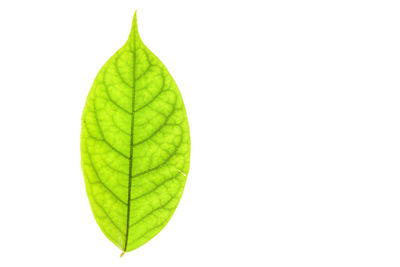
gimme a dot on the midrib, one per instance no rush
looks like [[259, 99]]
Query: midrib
[[131, 142]]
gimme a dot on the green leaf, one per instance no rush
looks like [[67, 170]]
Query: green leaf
[[135, 145]]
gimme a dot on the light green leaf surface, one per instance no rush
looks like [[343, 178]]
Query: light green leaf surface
[[135, 145]]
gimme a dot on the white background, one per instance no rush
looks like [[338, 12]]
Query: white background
[[294, 110]]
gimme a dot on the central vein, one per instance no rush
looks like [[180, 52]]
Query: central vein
[[131, 141]]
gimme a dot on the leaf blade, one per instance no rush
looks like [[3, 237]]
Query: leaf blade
[[135, 144]]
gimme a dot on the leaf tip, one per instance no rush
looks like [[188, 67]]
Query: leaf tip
[[134, 34], [134, 23]]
